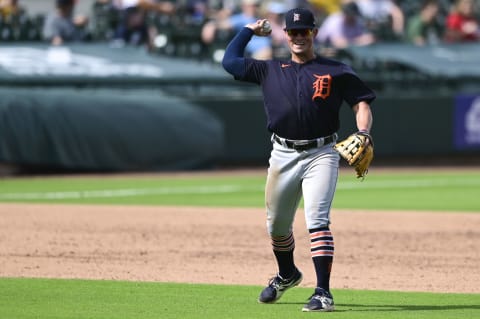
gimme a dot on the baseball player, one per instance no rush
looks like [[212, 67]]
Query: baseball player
[[302, 98]]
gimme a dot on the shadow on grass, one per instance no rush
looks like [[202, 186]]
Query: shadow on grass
[[388, 308], [356, 307]]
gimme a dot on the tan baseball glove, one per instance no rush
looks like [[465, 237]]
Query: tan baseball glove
[[357, 150]]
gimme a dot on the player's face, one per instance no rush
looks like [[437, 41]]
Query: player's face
[[300, 41]]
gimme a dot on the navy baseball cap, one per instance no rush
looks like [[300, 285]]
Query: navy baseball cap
[[299, 18]]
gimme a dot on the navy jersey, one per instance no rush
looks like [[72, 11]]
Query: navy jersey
[[302, 101]]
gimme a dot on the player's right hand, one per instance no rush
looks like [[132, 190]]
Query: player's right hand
[[258, 28]]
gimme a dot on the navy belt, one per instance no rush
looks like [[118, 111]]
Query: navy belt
[[303, 145]]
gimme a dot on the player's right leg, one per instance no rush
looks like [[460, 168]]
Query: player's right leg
[[282, 196]]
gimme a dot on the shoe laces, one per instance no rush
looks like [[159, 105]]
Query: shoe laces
[[319, 294], [279, 282], [276, 281]]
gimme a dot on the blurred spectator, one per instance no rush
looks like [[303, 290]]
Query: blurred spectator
[[328, 6], [63, 26], [15, 23], [345, 28], [197, 11], [132, 27], [10, 8], [275, 14], [384, 18], [424, 27], [323, 8], [462, 24], [222, 9], [258, 48]]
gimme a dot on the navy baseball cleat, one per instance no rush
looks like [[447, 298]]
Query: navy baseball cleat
[[277, 286], [321, 300]]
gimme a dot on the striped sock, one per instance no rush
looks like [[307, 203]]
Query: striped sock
[[283, 247], [322, 247]]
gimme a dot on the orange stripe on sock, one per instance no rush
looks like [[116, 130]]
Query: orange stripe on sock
[[322, 253], [320, 234]]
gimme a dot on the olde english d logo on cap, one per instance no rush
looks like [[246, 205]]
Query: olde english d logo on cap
[[299, 18]]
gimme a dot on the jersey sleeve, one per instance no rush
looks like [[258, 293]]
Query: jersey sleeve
[[234, 62], [355, 90]]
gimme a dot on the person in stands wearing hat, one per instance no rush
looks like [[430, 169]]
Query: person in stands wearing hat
[[302, 99], [345, 28], [63, 26]]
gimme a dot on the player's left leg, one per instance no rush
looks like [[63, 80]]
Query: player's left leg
[[319, 186]]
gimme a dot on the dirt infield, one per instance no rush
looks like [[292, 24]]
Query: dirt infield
[[400, 251]]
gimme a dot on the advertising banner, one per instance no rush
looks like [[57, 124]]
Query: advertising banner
[[467, 122]]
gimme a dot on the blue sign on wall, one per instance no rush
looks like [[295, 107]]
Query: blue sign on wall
[[467, 122]]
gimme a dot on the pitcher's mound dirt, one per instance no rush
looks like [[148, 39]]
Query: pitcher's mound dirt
[[402, 251]]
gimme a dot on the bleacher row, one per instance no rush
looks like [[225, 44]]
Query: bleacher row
[[177, 35]]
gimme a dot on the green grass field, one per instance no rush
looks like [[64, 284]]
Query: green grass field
[[415, 190], [442, 191], [69, 299]]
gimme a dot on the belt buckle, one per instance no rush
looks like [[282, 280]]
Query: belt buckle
[[325, 140], [302, 146]]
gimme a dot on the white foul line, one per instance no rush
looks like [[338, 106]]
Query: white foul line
[[131, 192]]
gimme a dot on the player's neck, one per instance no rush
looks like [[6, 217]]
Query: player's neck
[[303, 58]]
